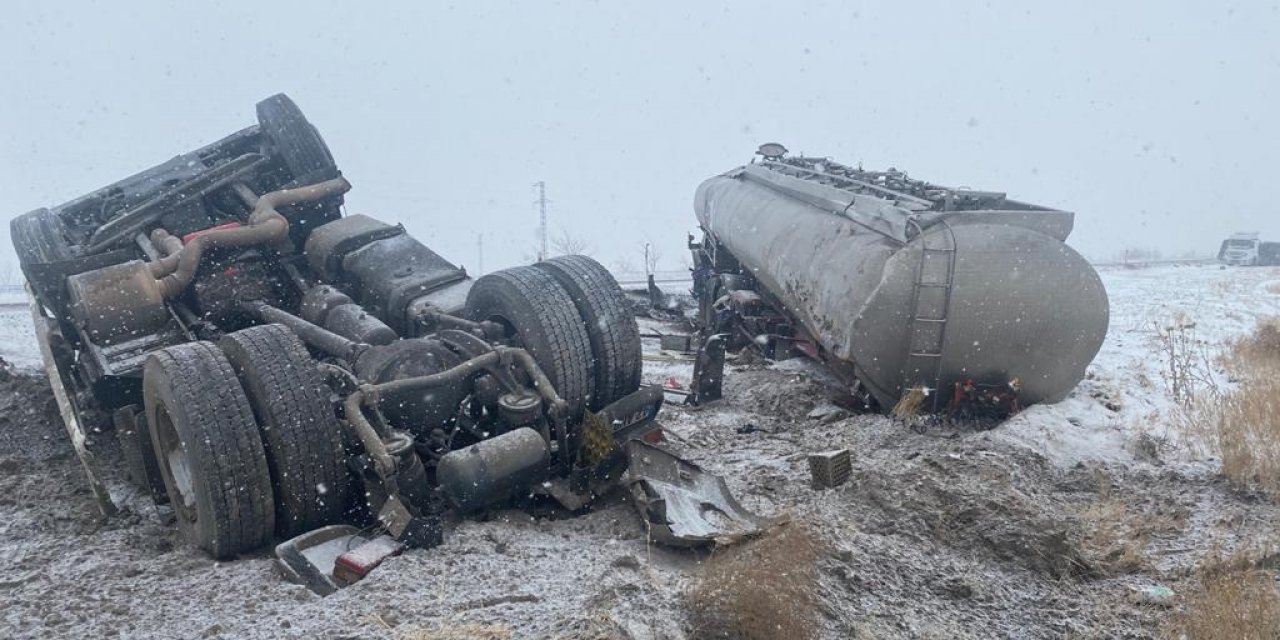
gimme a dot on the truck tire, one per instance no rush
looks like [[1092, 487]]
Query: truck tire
[[135, 448], [208, 449], [38, 237], [304, 153], [294, 138], [299, 430], [540, 316], [611, 327]]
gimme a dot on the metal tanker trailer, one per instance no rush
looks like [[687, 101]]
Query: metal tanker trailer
[[903, 287]]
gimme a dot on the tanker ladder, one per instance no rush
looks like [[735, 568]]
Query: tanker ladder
[[930, 302]]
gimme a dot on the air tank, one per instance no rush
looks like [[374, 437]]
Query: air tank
[[907, 284]]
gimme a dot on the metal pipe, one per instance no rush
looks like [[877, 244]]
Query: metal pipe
[[383, 463], [316, 336], [264, 226], [488, 361], [432, 319], [376, 392], [494, 361], [541, 382]]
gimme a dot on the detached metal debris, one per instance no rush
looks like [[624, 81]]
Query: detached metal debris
[[276, 370], [684, 506]]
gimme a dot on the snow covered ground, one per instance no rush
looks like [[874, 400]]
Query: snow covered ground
[[17, 341], [941, 532], [1130, 371]]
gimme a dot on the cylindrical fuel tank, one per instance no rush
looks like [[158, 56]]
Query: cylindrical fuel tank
[[493, 470], [1015, 302]]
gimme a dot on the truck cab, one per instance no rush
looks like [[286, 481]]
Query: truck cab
[[1241, 249]]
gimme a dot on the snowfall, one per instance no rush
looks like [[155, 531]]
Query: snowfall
[[941, 532]]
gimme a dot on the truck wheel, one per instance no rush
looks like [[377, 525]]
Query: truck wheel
[[208, 449], [300, 433], [540, 316], [38, 237], [139, 458], [611, 327], [299, 145]]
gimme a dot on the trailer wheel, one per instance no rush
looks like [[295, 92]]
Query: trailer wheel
[[38, 237], [300, 433], [207, 444], [540, 316], [139, 457], [299, 145], [611, 327]]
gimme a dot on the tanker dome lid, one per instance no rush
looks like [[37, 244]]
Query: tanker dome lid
[[771, 151]]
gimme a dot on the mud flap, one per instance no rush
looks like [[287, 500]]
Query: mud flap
[[682, 505], [79, 441], [708, 372]]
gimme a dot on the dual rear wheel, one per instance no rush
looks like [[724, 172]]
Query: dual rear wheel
[[245, 439], [573, 318]]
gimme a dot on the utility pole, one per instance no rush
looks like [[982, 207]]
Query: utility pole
[[479, 254], [542, 219]]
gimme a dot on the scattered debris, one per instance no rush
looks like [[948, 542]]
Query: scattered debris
[[829, 469], [1153, 594]]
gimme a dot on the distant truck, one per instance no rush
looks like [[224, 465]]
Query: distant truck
[[1246, 250]]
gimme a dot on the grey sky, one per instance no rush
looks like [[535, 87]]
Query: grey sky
[[1155, 121]]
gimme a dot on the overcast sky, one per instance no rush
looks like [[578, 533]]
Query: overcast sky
[[1156, 122]]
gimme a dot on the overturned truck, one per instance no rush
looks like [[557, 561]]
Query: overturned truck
[[923, 297], [273, 367]]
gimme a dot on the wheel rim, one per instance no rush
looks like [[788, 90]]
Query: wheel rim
[[177, 466]]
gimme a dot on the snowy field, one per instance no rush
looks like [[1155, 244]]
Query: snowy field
[[17, 341], [942, 532]]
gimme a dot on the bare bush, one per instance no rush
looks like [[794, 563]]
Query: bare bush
[[1231, 599], [567, 244], [1188, 374], [761, 590]]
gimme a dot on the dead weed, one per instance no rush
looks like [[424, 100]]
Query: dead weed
[[1248, 426], [1116, 534], [1230, 599], [760, 590]]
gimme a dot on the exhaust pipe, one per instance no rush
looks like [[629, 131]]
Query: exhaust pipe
[[265, 226]]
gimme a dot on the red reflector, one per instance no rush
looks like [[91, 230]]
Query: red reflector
[[355, 564], [196, 234]]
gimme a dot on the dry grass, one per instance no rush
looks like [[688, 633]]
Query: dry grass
[[1257, 351], [1247, 431], [1239, 423], [1231, 599], [761, 590], [910, 404], [1116, 535]]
